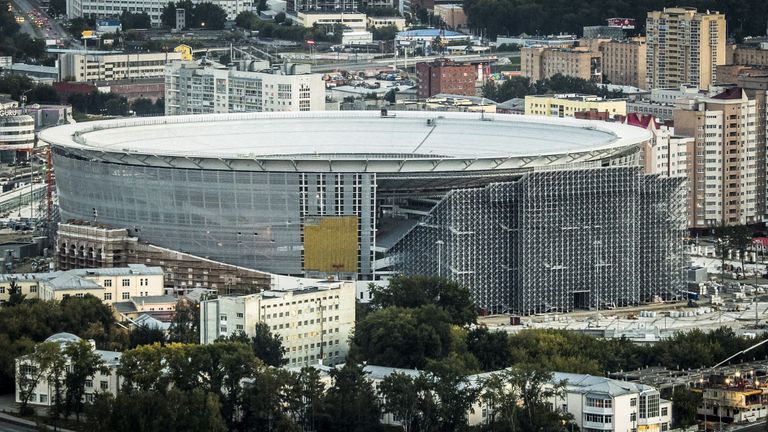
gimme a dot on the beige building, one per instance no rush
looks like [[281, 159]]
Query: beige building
[[666, 153], [566, 105], [386, 21], [623, 62], [452, 15], [101, 382], [109, 284], [538, 63], [724, 185], [82, 67], [355, 21], [752, 55], [315, 322], [684, 47]]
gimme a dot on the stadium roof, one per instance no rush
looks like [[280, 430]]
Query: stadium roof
[[346, 141]]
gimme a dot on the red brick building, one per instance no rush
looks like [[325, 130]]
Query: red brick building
[[445, 76]]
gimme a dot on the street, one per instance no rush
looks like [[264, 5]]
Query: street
[[24, 8]]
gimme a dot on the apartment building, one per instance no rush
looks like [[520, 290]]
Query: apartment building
[[566, 105], [103, 381], [684, 47], [750, 55], [206, 87], [666, 153], [109, 284], [724, 185], [445, 76], [84, 67], [623, 62], [539, 62], [153, 8], [315, 322]]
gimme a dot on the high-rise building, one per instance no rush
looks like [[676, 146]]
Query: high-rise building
[[315, 322], [623, 62], [445, 76], [684, 47], [206, 87], [540, 62], [666, 153], [723, 171]]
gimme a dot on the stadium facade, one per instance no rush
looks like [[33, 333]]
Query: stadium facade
[[532, 214]]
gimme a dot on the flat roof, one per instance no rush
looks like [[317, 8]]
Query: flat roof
[[326, 137]]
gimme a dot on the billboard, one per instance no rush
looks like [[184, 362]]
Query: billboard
[[625, 23], [331, 244]]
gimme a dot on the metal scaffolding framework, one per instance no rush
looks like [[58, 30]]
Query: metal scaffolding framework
[[556, 240]]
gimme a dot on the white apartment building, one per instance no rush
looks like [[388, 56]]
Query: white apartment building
[[153, 8], [84, 67], [207, 87], [111, 285], [315, 322], [601, 404], [43, 393], [665, 154]]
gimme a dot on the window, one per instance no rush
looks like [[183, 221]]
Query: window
[[104, 385], [599, 403], [108, 283], [239, 315], [43, 398], [664, 411], [223, 317], [2, 290], [126, 282], [126, 295], [88, 383], [33, 289], [107, 296]]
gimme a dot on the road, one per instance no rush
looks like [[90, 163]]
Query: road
[[24, 7], [389, 62], [9, 427]]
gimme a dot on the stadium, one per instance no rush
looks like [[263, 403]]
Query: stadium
[[532, 214]]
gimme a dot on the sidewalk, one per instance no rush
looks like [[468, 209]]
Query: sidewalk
[[8, 410]]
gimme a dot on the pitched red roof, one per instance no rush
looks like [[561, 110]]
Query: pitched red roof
[[641, 120]]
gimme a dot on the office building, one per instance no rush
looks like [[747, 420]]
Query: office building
[[205, 87], [724, 187], [538, 63], [445, 76], [314, 322], [623, 62], [43, 394], [684, 47], [328, 19], [566, 105], [85, 67], [153, 8]]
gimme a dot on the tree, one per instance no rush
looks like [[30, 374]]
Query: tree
[[279, 17], [143, 369], [304, 397], [145, 335], [247, 20], [351, 401], [57, 7], [536, 390], [267, 346], [262, 6], [83, 365], [415, 291], [491, 348], [686, 404], [185, 324], [15, 297], [448, 381], [168, 15], [32, 369], [130, 20], [386, 33], [209, 16], [264, 402], [400, 394]]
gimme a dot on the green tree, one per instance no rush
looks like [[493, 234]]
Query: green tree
[[185, 323], [145, 335], [265, 400], [351, 401], [279, 17], [448, 380], [247, 20], [385, 33], [143, 369], [33, 369], [686, 404], [304, 398], [415, 291], [130, 20], [400, 394], [83, 365], [267, 346], [15, 297], [209, 16], [491, 348]]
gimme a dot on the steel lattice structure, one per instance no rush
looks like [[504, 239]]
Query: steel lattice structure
[[556, 240]]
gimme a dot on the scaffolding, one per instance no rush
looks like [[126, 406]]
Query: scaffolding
[[556, 240]]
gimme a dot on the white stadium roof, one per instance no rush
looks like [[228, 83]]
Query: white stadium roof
[[347, 141]]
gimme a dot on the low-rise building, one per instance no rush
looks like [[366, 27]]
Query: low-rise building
[[445, 76], [153, 8], [44, 392], [354, 21], [379, 21], [734, 404], [89, 67], [162, 306], [538, 63], [108, 284], [452, 15], [566, 105], [315, 322]]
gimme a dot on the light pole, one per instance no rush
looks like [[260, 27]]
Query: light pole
[[440, 244]]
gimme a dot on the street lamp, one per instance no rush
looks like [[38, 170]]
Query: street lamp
[[439, 244]]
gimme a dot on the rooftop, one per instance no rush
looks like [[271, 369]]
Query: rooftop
[[464, 141]]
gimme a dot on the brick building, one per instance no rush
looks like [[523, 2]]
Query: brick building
[[445, 76]]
